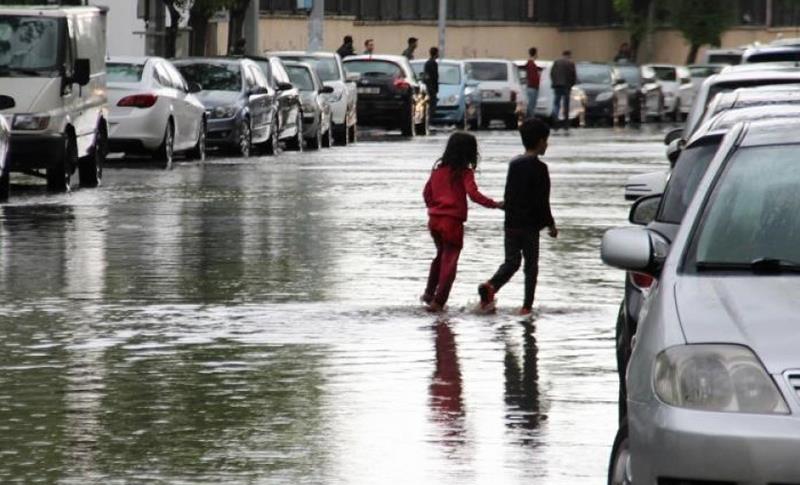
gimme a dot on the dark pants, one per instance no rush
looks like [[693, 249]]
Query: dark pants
[[520, 244], [561, 97], [448, 236], [433, 99]]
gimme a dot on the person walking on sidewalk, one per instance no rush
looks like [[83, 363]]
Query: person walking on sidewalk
[[451, 181], [346, 49], [533, 81], [562, 78], [527, 206], [432, 81], [412, 46]]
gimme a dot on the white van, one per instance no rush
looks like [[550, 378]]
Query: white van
[[52, 64]]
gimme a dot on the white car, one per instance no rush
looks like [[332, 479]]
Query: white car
[[676, 82], [544, 102], [153, 110], [344, 97], [502, 96], [5, 139]]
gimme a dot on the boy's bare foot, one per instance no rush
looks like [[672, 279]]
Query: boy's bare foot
[[524, 311], [486, 292], [434, 307]]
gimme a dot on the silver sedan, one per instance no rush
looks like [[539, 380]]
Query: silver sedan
[[714, 378]]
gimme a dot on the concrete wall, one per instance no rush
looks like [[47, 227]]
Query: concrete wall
[[122, 23]]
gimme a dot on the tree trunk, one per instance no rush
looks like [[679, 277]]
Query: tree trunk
[[199, 24], [692, 56], [171, 39], [236, 24]]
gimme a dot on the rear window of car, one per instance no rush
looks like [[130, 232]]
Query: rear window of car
[[631, 75], [774, 57], [666, 73], [593, 74], [732, 59], [213, 76], [488, 71], [374, 68], [704, 71], [301, 78], [684, 179], [119, 72], [326, 67]]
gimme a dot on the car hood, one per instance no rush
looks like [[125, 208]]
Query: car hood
[[759, 312], [594, 89], [308, 97], [212, 99], [449, 90]]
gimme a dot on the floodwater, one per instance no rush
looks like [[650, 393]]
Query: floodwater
[[257, 322]]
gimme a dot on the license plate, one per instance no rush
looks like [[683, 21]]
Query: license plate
[[489, 94], [369, 90]]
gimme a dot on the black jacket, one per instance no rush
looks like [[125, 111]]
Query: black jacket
[[346, 50], [432, 75], [562, 73], [527, 197]]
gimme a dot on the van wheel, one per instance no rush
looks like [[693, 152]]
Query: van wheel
[[5, 184], [199, 151], [90, 167], [619, 466], [166, 152], [296, 143], [60, 172]]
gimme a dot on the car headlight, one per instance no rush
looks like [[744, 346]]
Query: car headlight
[[30, 122], [221, 112], [723, 378], [451, 100], [605, 96]]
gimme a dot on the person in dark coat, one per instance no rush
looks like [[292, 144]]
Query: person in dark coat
[[412, 46], [346, 48], [562, 78], [432, 80]]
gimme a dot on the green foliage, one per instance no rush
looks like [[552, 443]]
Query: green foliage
[[702, 22]]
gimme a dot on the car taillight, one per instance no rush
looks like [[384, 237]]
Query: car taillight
[[401, 84], [513, 96], [138, 101], [642, 281]]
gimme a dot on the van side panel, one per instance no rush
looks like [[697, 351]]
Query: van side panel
[[90, 40]]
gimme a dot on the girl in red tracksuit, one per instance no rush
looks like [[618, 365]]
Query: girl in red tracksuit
[[452, 179]]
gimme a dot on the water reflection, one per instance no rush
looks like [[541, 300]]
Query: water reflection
[[446, 401], [522, 385]]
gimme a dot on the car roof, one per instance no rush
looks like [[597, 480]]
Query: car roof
[[377, 57], [211, 59], [672, 66], [771, 132], [727, 119], [761, 67], [489, 59], [50, 10], [301, 53], [735, 75], [761, 95], [137, 60], [771, 49]]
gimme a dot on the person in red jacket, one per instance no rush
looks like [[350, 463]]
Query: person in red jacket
[[451, 181]]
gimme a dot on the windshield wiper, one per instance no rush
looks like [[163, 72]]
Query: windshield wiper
[[757, 266]]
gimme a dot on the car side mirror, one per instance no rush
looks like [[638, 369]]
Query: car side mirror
[[686, 80], [7, 102], [644, 210], [674, 150], [326, 90], [673, 135], [352, 77], [195, 88], [285, 86], [619, 81], [634, 249], [82, 72]]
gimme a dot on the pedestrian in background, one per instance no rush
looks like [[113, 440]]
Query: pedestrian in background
[[346, 49], [624, 53], [412, 46], [432, 80], [369, 47], [239, 47], [562, 78], [527, 206], [533, 81], [451, 181]]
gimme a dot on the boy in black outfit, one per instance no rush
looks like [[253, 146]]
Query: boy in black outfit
[[527, 206]]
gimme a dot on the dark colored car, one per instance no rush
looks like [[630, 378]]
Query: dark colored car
[[606, 92], [289, 114], [238, 99], [645, 97], [389, 94], [317, 125]]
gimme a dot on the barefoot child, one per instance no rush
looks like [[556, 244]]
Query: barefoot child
[[527, 206], [452, 180]]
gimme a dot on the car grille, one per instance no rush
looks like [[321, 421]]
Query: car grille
[[794, 381]]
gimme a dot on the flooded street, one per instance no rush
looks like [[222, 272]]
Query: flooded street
[[258, 321]]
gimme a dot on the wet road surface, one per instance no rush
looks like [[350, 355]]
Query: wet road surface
[[257, 322]]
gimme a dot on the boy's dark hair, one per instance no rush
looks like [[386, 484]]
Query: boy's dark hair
[[368, 41], [412, 40], [533, 131], [532, 51], [461, 152], [348, 39], [566, 53], [434, 51]]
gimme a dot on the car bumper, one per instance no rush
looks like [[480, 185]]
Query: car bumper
[[139, 125], [222, 132], [448, 114], [389, 112], [696, 447], [600, 109], [34, 151]]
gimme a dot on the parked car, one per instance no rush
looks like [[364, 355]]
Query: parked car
[[56, 79], [5, 141], [389, 94], [771, 53], [544, 103], [238, 101], [316, 107], [645, 95], [723, 56], [502, 96], [289, 115], [676, 82], [782, 94], [153, 110], [715, 366], [606, 92], [343, 99], [459, 101]]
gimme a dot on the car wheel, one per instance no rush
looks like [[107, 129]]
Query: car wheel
[[245, 146], [423, 127], [511, 123], [5, 184], [485, 123], [199, 150], [619, 466], [296, 143], [315, 142], [407, 129], [166, 152], [90, 167], [59, 173], [271, 145]]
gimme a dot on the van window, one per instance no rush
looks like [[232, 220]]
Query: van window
[[29, 43], [118, 72]]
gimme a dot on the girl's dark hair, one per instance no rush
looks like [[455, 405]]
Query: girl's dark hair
[[461, 152]]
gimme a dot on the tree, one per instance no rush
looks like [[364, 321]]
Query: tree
[[199, 15], [702, 22], [238, 11], [638, 18]]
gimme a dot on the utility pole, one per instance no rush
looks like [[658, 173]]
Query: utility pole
[[251, 25], [442, 27], [316, 26]]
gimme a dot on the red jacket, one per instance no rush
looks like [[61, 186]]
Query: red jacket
[[533, 74], [446, 193]]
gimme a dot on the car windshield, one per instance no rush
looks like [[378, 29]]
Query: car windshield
[[374, 68], [29, 44], [704, 71], [666, 73], [752, 212], [684, 179], [732, 59], [780, 56], [488, 71], [449, 74], [631, 75], [301, 78], [118, 72], [213, 76], [326, 67], [593, 74]]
